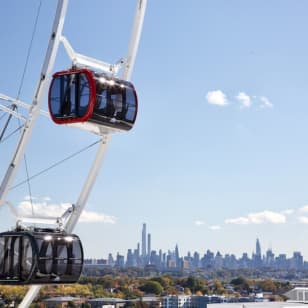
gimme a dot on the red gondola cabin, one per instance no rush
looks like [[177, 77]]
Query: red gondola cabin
[[81, 95]]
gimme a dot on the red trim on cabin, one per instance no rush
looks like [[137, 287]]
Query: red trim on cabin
[[92, 89]]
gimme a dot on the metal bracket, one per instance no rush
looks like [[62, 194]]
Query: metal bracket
[[80, 60], [58, 222], [20, 104], [12, 112]]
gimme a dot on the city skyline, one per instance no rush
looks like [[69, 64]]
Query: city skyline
[[217, 156], [173, 259]]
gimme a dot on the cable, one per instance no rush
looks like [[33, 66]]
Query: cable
[[29, 50], [7, 123], [55, 164], [29, 186], [11, 134], [21, 85]]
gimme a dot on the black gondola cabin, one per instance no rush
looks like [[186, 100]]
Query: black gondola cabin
[[39, 257], [81, 95]]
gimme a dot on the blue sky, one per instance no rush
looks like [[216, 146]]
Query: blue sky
[[218, 155]]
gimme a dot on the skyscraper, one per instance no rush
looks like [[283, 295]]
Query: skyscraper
[[144, 241], [149, 245], [258, 248], [257, 258], [177, 256]]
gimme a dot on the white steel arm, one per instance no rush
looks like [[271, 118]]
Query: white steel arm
[[12, 112], [83, 197], [14, 101], [34, 111], [82, 60], [135, 38], [21, 104]]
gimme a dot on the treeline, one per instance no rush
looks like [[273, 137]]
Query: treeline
[[207, 273], [133, 287]]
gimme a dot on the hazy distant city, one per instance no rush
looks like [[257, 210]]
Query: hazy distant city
[[143, 256]]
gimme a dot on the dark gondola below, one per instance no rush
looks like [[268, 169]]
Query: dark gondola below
[[81, 95], [39, 257]]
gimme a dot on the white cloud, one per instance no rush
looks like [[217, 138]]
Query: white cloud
[[43, 209], [265, 102], [215, 227], [237, 221], [27, 197], [258, 218], [47, 210], [199, 223], [303, 219], [287, 212], [244, 100], [304, 209], [88, 216], [217, 98]]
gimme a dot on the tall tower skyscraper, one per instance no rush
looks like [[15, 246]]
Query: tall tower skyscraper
[[257, 258], [258, 248], [138, 249], [177, 256], [144, 241], [149, 245]]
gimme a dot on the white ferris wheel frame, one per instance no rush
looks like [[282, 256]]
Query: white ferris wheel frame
[[71, 216]]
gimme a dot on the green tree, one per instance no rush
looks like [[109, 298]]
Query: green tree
[[240, 284], [194, 284], [268, 285], [218, 287], [152, 287]]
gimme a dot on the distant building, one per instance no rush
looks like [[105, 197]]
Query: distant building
[[257, 257], [198, 301], [177, 256], [101, 262], [88, 261], [258, 248], [299, 295], [297, 261], [130, 259], [119, 261], [110, 260], [177, 301], [185, 301], [107, 302], [144, 241], [269, 258], [149, 245], [62, 302]]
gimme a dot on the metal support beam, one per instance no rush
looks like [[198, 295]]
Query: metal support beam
[[134, 40], [21, 104], [82, 60], [33, 113], [11, 112], [7, 122], [88, 185]]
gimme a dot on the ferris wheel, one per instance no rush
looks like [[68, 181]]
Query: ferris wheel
[[90, 95]]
